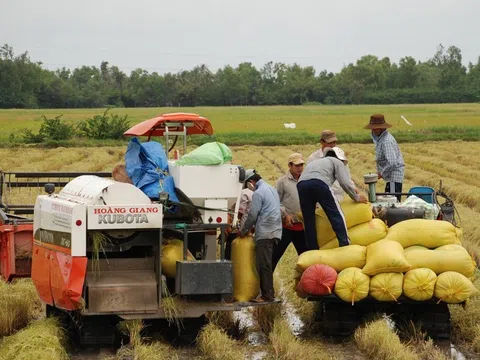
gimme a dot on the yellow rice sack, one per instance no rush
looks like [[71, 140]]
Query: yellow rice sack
[[445, 258], [339, 259], [419, 284], [362, 234], [385, 256], [428, 233], [172, 252], [459, 232], [246, 283], [386, 286], [352, 285], [453, 287], [355, 213]]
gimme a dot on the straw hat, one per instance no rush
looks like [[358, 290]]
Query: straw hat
[[377, 121]]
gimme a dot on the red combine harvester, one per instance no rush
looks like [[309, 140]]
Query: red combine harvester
[[91, 290], [16, 220]]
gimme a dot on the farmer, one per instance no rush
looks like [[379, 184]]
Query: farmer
[[329, 139], [265, 214], [243, 209], [290, 205], [390, 165], [314, 186]]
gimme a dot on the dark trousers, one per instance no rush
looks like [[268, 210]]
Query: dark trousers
[[263, 253], [397, 189], [289, 236], [310, 192], [228, 245]]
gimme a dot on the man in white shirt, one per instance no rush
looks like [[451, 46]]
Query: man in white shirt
[[327, 139]]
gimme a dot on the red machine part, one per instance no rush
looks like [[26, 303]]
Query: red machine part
[[156, 125], [58, 277], [15, 250]]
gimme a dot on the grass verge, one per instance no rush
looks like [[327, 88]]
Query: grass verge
[[153, 351], [412, 334], [286, 346], [42, 340], [379, 342], [227, 322], [140, 348], [19, 304], [466, 322], [265, 317], [215, 344]]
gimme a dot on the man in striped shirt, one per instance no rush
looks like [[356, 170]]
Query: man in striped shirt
[[390, 165]]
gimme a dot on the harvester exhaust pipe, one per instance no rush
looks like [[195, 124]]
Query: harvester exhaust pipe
[[371, 181]]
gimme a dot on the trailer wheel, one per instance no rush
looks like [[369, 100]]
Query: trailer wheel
[[341, 318], [434, 319]]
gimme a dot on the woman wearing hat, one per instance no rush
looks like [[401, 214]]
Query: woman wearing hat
[[390, 165]]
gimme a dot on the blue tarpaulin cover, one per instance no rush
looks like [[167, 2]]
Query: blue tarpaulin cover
[[147, 166]]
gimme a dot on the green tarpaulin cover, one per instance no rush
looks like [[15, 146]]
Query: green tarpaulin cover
[[213, 153]]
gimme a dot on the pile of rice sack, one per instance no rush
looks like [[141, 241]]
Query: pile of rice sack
[[418, 258]]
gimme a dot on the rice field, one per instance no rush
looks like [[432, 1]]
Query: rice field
[[454, 163], [265, 124]]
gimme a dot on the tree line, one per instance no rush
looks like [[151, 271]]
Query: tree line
[[370, 80]]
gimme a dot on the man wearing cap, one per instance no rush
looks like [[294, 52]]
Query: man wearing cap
[[329, 139], [265, 214], [314, 186], [243, 208], [390, 165], [290, 206]]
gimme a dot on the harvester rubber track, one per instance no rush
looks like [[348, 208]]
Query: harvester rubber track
[[88, 331]]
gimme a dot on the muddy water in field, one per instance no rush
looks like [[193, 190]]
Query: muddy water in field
[[256, 339], [93, 354], [184, 353]]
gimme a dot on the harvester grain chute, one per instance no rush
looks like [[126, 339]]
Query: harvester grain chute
[[97, 245]]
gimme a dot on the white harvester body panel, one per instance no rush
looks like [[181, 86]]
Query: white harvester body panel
[[92, 203], [61, 222], [209, 186]]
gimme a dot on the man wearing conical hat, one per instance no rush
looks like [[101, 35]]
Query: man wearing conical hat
[[390, 165]]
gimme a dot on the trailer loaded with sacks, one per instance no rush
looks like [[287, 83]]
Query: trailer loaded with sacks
[[411, 268]]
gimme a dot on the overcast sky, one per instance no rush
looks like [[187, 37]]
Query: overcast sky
[[173, 35]]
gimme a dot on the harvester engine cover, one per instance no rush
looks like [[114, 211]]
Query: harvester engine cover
[[74, 228]]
